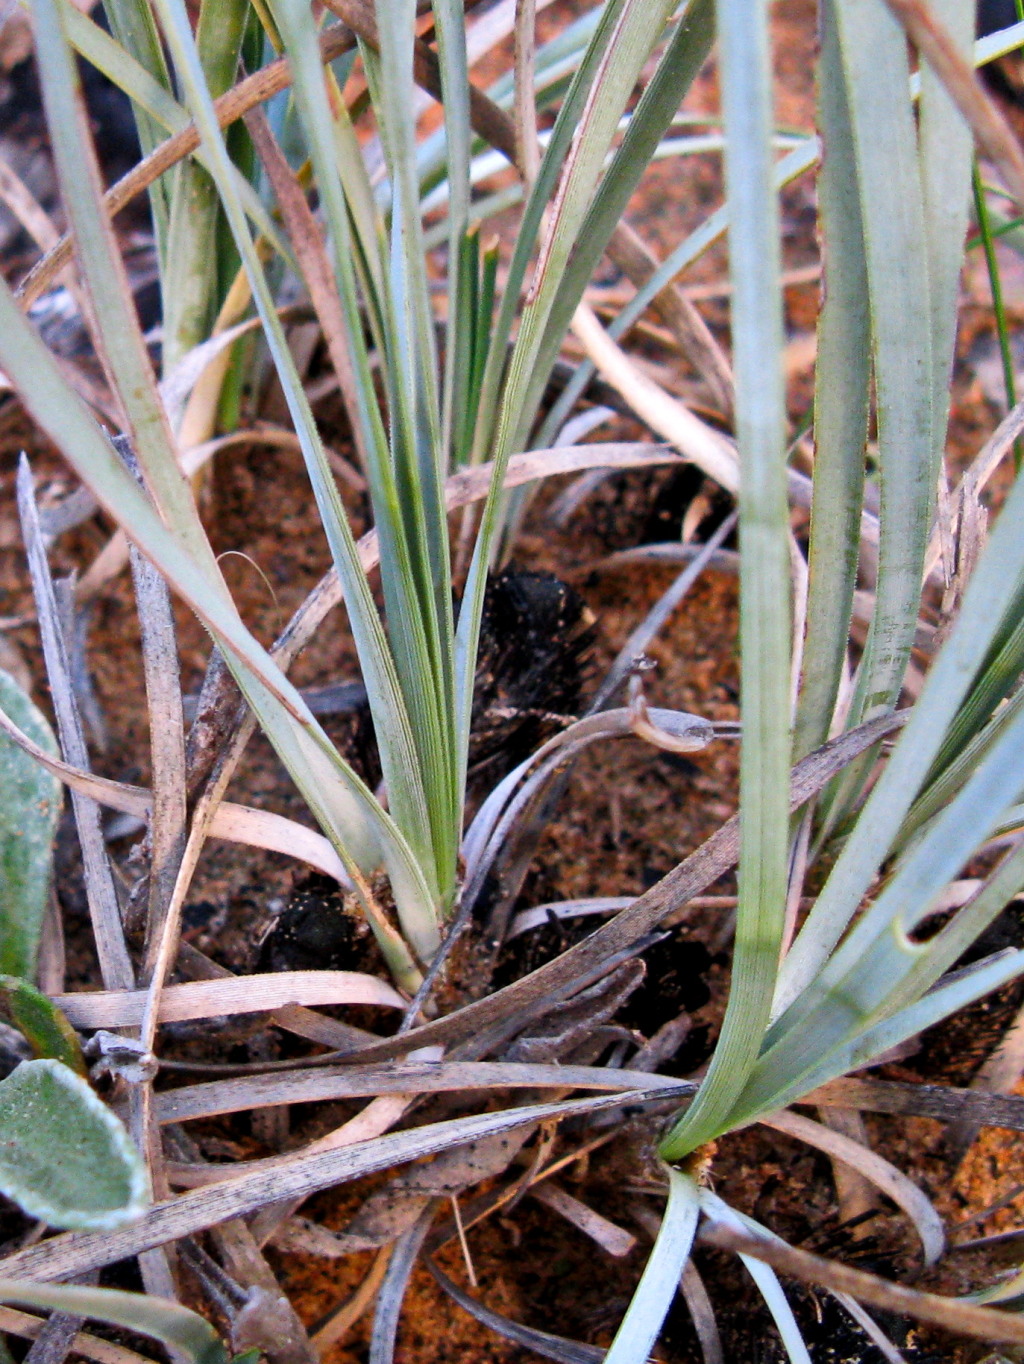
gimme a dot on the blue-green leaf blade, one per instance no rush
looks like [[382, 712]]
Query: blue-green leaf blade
[[640, 1326]]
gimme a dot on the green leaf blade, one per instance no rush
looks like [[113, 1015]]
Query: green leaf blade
[[841, 405], [639, 1328], [764, 571], [29, 812], [175, 1326], [42, 1024], [874, 58]]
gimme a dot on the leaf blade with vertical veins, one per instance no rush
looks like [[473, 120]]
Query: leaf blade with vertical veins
[[945, 150], [874, 58], [841, 402], [640, 1326], [756, 318]]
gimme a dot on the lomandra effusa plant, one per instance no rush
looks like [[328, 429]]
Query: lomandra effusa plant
[[450, 408]]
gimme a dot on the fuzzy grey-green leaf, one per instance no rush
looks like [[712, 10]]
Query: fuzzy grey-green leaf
[[28, 817], [64, 1157]]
